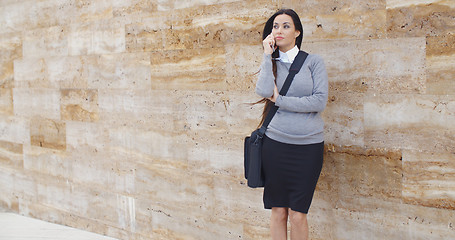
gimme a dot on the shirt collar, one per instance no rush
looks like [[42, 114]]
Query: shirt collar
[[290, 55]]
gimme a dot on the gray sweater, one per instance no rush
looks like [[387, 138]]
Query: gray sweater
[[298, 119]]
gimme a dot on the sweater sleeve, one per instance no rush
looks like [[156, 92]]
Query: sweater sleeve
[[266, 84], [315, 102]]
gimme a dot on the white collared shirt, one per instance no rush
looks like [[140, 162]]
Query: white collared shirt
[[289, 56]]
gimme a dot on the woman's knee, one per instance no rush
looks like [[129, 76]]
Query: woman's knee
[[280, 214], [297, 218]]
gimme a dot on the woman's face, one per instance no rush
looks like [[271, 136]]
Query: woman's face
[[284, 32]]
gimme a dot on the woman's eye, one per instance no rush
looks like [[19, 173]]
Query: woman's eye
[[286, 26], [276, 26]]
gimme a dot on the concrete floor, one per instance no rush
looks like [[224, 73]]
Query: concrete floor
[[17, 227]]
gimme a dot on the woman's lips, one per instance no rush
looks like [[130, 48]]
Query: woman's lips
[[279, 38]]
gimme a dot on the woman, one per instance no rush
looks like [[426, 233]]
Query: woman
[[293, 146]]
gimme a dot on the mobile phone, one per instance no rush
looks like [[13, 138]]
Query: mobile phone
[[273, 44]]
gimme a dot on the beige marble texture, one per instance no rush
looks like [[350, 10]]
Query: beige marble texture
[[172, 4], [130, 8], [8, 199], [382, 66], [188, 69], [11, 154], [6, 101], [440, 62], [352, 19], [102, 37], [37, 102], [201, 27], [27, 15], [344, 118], [10, 49], [241, 70], [414, 18], [48, 133], [15, 129], [127, 118], [118, 71], [45, 42], [394, 207], [374, 173], [31, 73], [410, 121], [67, 72], [428, 179], [79, 105], [47, 161], [407, 3]]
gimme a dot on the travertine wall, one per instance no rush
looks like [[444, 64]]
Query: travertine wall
[[127, 118]]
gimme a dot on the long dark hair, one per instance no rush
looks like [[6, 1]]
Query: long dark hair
[[298, 41]]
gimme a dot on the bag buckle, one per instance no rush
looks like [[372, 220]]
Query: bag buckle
[[257, 139]]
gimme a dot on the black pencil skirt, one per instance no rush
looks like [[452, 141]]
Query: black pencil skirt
[[291, 173]]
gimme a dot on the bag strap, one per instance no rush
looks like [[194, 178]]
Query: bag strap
[[293, 70]]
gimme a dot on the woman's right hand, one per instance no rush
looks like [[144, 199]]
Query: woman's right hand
[[269, 44]]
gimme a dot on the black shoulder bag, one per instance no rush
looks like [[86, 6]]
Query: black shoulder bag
[[253, 144]]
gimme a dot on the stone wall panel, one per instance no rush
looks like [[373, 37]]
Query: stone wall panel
[[49, 13], [233, 202], [440, 59], [201, 27], [363, 221], [121, 71], [68, 72], [408, 121], [103, 170], [9, 200], [354, 173], [31, 73], [11, 19], [14, 129], [428, 178], [102, 37], [16, 188], [347, 127], [416, 18], [52, 72], [79, 105], [347, 19], [46, 161], [37, 102], [86, 134], [6, 101], [171, 5], [48, 133], [133, 8], [242, 71], [345, 25], [44, 42], [184, 227], [10, 50], [199, 69], [383, 65], [158, 182], [11, 154], [147, 35], [61, 199]]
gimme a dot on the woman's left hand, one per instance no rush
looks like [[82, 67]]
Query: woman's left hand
[[275, 94]]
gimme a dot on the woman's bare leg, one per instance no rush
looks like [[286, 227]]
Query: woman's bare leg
[[299, 225], [278, 223]]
